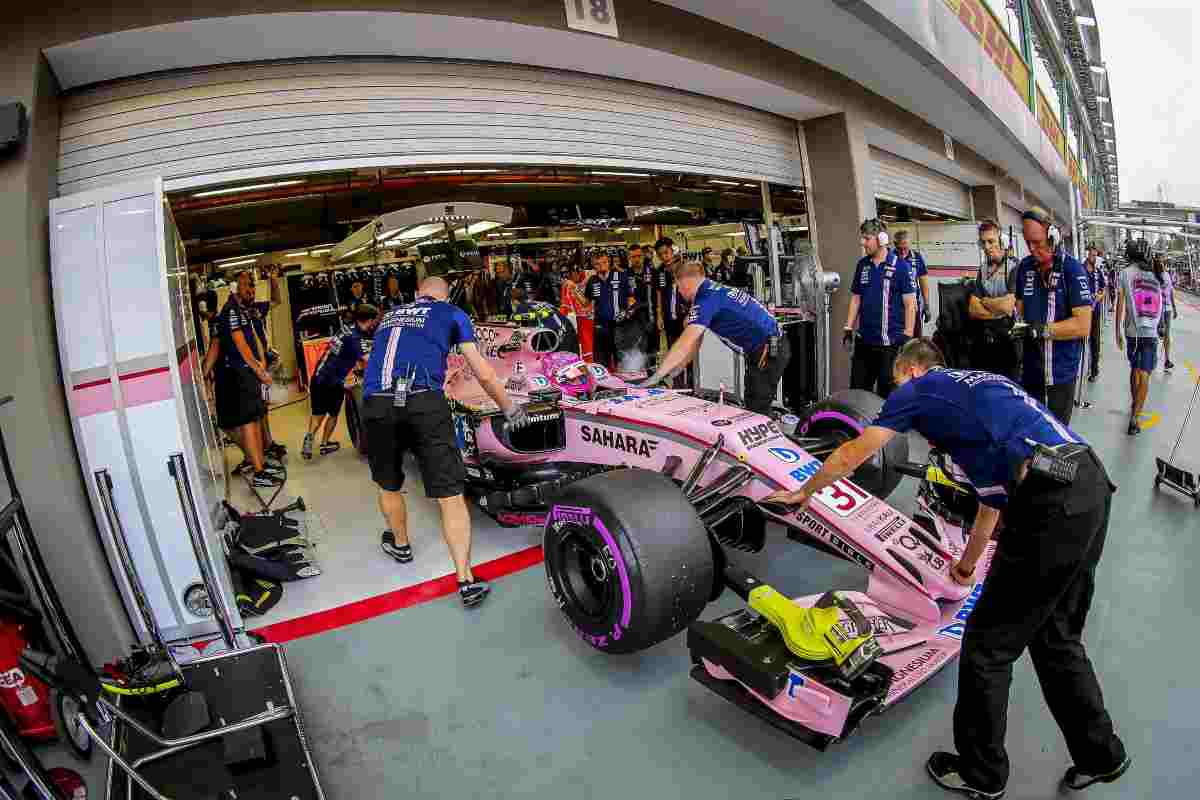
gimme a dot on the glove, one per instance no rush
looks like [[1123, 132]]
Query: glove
[[1029, 330], [848, 338], [272, 357], [927, 316], [517, 417]]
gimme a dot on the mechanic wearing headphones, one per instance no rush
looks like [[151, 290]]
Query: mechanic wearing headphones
[[883, 304], [1054, 299], [641, 269], [674, 312], [992, 306], [920, 273], [405, 409], [1040, 585], [1140, 293], [740, 321], [1098, 285], [346, 350], [611, 293]]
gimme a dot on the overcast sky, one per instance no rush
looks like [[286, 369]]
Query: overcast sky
[[1148, 46]]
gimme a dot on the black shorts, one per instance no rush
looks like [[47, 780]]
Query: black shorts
[[239, 398], [326, 398], [423, 426]]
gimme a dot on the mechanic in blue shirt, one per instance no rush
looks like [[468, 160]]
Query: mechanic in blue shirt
[[1039, 588], [405, 408], [920, 274], [347, 350], [537, 314], [883, 305], [742, 323], [611, 293], [641, 269], [1055, 301], [1098, 284]]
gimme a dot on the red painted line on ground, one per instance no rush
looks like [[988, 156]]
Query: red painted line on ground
[[371, 607]]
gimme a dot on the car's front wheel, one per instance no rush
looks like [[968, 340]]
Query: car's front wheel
[[627, 559]]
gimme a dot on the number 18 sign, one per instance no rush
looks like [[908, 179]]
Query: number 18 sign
[[593, 16]]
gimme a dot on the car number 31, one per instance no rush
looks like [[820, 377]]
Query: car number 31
[[842, 498]]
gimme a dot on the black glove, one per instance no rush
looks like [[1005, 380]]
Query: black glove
[[1030, 330], [927, 316], [848, 338], [517, 418]]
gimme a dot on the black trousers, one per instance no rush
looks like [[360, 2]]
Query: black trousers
[[1094, 347], [1060, 398], [761, 383], [673, 328], [1037, 596], [604, 345], [871, 368]]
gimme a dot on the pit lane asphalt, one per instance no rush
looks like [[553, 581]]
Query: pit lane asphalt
[[505, 701]]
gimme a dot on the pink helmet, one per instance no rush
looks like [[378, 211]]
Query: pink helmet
[[569, 373]]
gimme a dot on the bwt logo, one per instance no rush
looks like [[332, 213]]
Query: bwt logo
[[805, 472], [955, 630]]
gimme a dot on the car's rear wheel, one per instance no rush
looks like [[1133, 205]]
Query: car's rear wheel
[[627, 560], [841, 417]]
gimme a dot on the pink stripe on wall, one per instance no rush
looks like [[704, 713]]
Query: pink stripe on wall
[[93, 398], [147, 387]]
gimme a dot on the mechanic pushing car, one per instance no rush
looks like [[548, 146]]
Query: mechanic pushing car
[[740, 321], [405, 409], [1056, 498], [1054, 300]]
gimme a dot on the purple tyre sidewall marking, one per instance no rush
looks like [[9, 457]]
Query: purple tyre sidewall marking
[[834, 415], [622, 574]]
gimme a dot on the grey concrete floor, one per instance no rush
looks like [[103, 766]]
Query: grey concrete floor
[[505, 701]]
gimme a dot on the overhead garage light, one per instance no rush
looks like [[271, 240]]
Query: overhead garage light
[[227, 264], [418, 232], [235, 258], [480, 227], [320, 252], [1101, 99], [387, 234], [250, 188], [739, 233], [301, 254], [622, 174], [725, 183], [1107, 124], [1089, 21], [1098, 70]]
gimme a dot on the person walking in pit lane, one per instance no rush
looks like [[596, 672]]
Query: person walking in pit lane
[[1170, 310], [405, 409], [1140, 308], [883, 308], [1055, 301], [347, 349], [1043, 573]]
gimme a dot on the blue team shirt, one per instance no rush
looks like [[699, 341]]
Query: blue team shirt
[[1067, 287], [414, 340], [609, 295], [1096, 282], [345, 350], [740, 321], [235, 317], [916, 263], [882, 288], [673, 307], [982, 421]]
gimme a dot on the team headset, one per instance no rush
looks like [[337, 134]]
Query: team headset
[[880, 228], [1053, 234]]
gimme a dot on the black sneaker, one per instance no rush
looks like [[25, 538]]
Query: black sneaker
[[273, 464], [473, 592], [244, 467], [1092, 378], [401, 552], [943, 768], [330, 447], [306, 448], [1076, 780], [1169, 366], [276, 449], [1134, 429], [266, 480]]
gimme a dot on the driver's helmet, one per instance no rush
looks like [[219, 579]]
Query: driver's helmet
[[568, 372]]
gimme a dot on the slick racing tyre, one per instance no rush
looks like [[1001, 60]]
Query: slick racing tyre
[[628, 561], [844, 415]]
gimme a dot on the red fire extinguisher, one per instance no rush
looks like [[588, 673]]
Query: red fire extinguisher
[[24, 698]]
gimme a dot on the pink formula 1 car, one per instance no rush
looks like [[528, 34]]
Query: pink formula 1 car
[[645, 494]]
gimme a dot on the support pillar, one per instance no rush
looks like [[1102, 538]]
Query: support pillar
[[986, 200], [840, 196]]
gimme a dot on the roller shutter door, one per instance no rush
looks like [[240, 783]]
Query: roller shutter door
[[902, 181], [252, 121]]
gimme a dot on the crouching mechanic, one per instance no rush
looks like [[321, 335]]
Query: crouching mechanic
[[740, 321], [347, 349], [1038, 591], [405, 409]]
